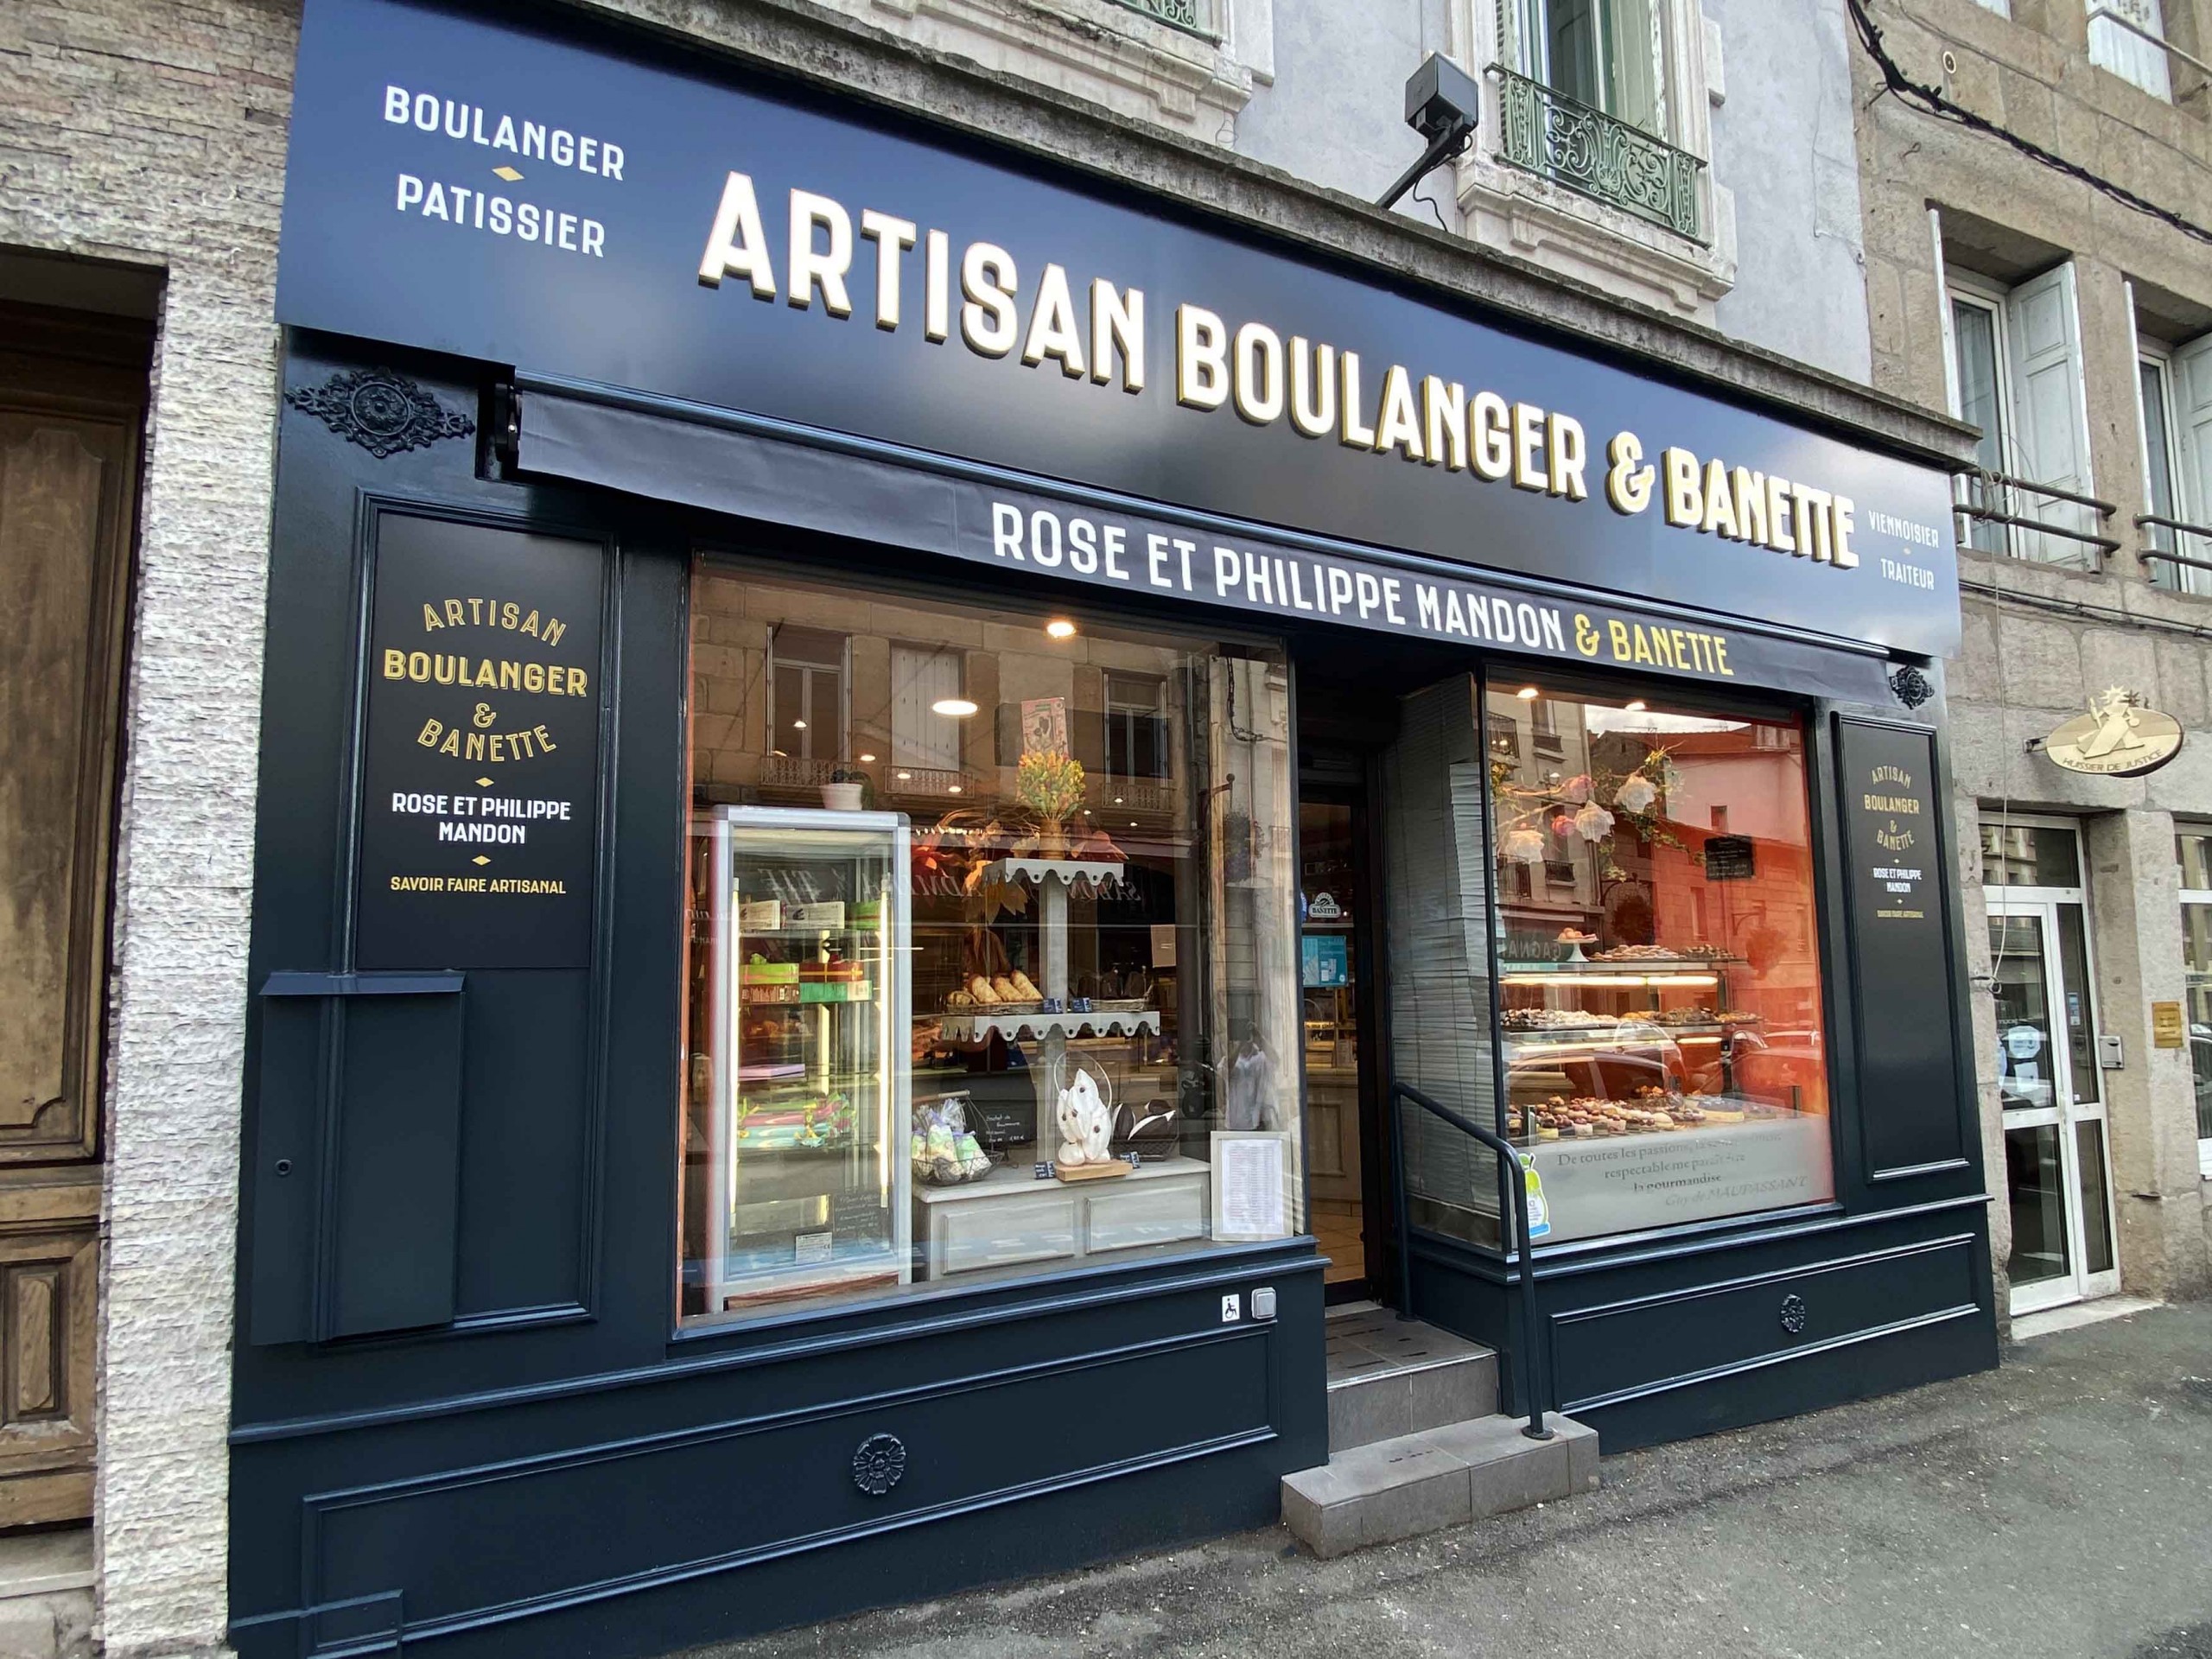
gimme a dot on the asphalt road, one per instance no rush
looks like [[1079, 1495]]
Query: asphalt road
[[2061, 1505]]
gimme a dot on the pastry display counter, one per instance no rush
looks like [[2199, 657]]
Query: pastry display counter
[[1012, 1218]]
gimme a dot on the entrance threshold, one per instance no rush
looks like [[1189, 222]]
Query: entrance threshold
[[2028, 1326]]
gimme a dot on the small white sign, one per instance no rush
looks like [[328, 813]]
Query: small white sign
[[1250, 1184], [813, 1249], [2023, 1042], [1232, 1308]]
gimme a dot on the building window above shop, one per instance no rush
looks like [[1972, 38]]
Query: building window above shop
[[2013, 368], [2015, 855], [957, 1012], [806, 675], [2128, 38], [2174, 393]]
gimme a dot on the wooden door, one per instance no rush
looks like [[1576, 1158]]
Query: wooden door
[[71, 407]]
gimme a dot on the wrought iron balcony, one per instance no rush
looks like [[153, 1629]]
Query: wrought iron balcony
[[1189, 15], [1557, 137]]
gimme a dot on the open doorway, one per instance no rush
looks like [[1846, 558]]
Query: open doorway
[[1338, 913]]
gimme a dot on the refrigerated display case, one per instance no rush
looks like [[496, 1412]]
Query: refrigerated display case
[[799, 1060]]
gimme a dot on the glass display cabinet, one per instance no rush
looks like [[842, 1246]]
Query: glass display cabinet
[[799, 1055]]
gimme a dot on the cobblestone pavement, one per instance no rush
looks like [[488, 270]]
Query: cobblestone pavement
[[2061, 1505]]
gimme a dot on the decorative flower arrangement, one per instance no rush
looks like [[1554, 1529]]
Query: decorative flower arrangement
[[1049, 784], [1589, 808]]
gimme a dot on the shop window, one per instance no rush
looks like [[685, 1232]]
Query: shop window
[[2128, 38], [1663, 1037], [2014, 370], [2194, 848], [941, 1042]]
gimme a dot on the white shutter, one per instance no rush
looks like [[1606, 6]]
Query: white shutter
[[2049, 415], [920, 676], [2192, 442], [2124, 52]]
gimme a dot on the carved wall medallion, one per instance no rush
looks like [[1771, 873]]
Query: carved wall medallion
[[382, 412], [1793, 1313], [880, 1464], [1913, 688]]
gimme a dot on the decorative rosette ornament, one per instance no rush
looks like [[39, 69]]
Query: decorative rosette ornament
[[1593, 823], [1524, 846], [1636, 795]]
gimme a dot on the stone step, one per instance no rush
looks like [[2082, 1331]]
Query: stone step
[[1440, 1478], [1389, 1377]]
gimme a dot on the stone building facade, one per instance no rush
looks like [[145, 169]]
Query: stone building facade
[[2068, 324], [142, 175]]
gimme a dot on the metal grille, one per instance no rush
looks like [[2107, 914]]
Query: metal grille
[[1188, 15], [1556, 136]]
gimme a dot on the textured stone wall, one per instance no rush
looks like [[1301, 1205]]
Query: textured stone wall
[[152, 132]]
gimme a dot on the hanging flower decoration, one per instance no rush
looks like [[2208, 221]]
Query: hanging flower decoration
[[1524, 846], [1562, 824], [1593, 823], [1636, 794], [1576, 790]]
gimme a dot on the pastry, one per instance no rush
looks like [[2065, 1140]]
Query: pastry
[[980, 988], [1003, 988], [1026, 988]]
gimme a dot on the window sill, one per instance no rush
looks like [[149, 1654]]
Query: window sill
[[1609, 248], [1108, 53]]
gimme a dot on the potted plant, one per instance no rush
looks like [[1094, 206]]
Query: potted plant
[[842, 792], [1050, 784]]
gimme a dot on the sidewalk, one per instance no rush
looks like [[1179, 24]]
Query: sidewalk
[[2061, 1505]]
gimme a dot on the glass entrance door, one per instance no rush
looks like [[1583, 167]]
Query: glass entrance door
[[1339, 1062], [2057, 1183]]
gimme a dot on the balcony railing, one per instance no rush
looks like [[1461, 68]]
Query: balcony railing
[[1558, 138], [1189, 15]]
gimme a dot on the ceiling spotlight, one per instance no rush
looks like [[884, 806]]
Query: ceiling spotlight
[[1133, 823], [1527, 693], [902, 776], [1633, 706], [798, 725], [957, 708], [1061, 628], [952, 789], [1117, 800], [868, 757]]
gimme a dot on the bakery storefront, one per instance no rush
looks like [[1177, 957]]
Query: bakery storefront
[[878, 757]]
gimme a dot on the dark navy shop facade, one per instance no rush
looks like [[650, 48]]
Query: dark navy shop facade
[[877, 753]]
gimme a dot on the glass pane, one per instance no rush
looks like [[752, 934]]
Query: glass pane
[[2029, 855], [2096, 1212], [2078, 1007], [788, 735], [2158, 445], [1571, 38], [2024, 1049], [1974, 333], [1665, 1059], [1099, 980], [1632, 64], [2193, 849], [2196, 964], [2033, 1187], [1328, 971]]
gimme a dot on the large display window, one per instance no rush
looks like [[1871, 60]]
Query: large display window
[[1662, 1039], [992, 960]]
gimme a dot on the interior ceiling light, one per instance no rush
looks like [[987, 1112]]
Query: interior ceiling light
[[1061, 628], [798, 725], [902, 776], [952, 789], [957, 708], [1527, 693], [1633, 706], [868, 757]]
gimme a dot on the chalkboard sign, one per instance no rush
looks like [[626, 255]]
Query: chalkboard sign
[[1909, 1109], [479, 776]]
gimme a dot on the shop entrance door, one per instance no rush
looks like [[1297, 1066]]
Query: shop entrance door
[[1336, 969], [2057, 1179]]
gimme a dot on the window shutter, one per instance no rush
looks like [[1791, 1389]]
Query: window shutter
[[920, 676], [2126, 53], [1513, 35], [2050, 417], [2192, 440]]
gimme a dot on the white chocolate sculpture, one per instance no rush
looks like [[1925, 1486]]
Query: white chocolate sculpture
[[1085, 1124]]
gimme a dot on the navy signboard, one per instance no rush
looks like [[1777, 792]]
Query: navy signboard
[[479, 768], [507, 193], [1900, 948]]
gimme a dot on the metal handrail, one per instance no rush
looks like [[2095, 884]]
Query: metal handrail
[[2203, 532], [2103, 509], [1517, 1187], [1966, 510]]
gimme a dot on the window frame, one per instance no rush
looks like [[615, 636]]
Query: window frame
[[843, 670], [2158, 357], [1980, 294], [2188, 896]]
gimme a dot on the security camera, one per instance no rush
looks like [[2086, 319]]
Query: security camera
[[1441, 97]]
